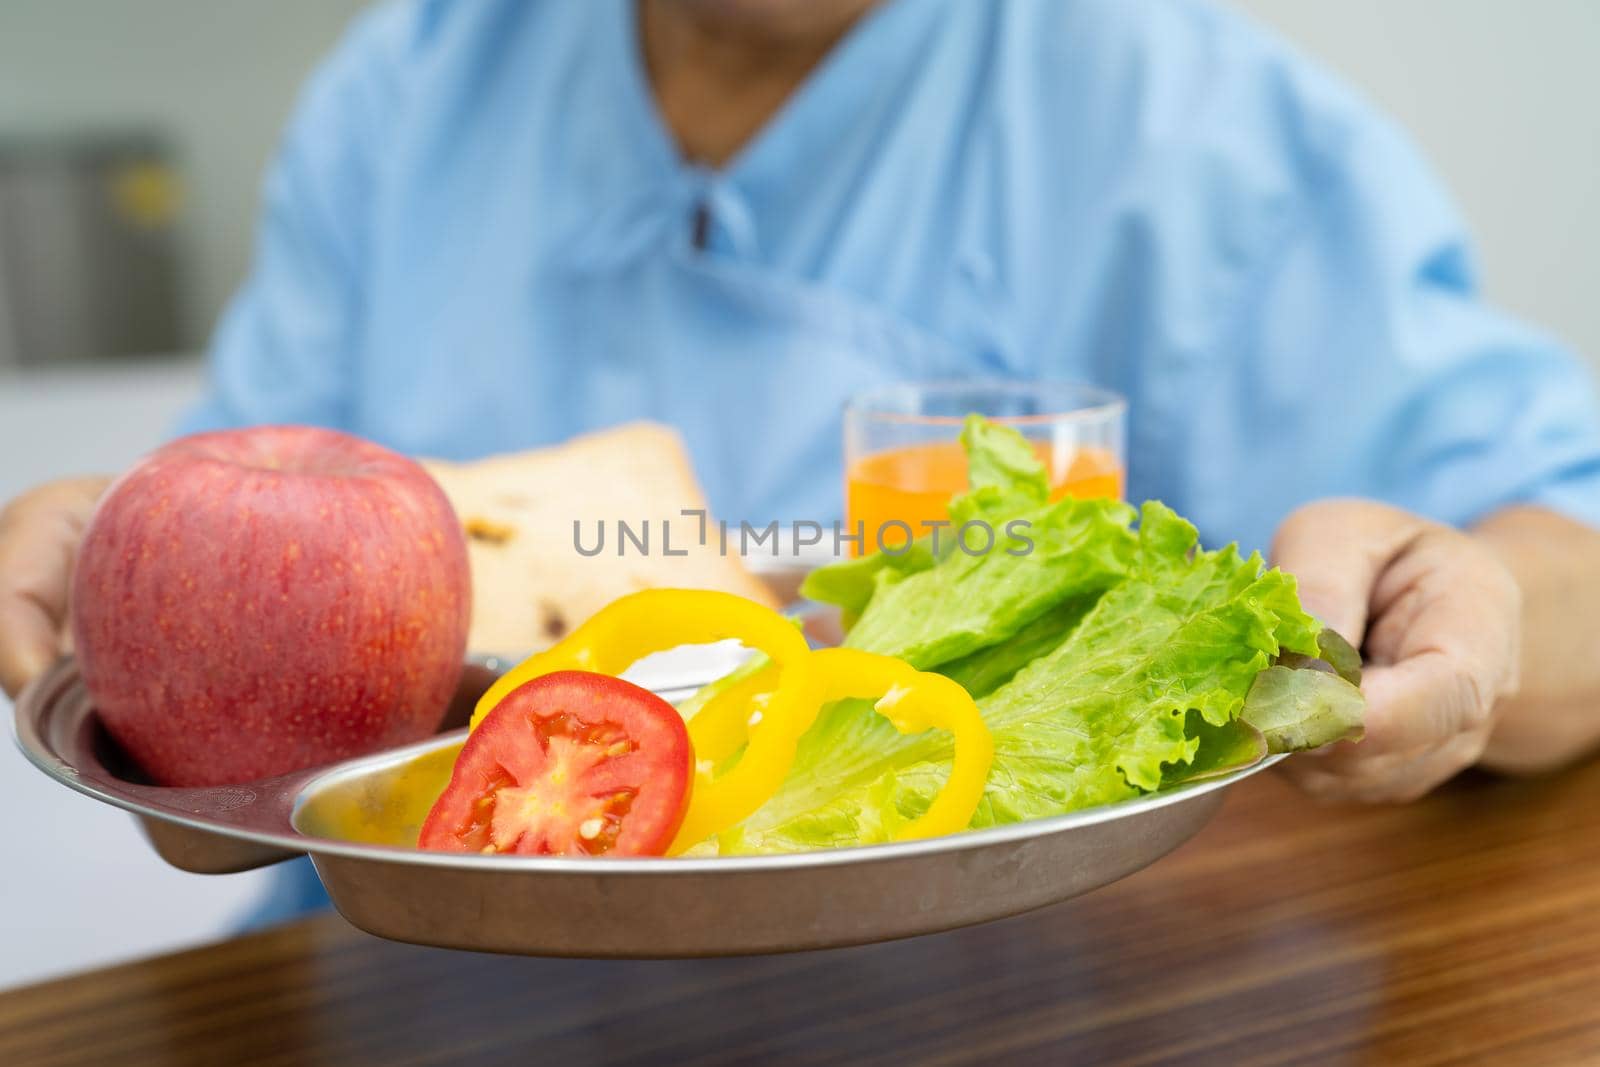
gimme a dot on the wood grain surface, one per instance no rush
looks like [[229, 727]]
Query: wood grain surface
[[1463, 929]]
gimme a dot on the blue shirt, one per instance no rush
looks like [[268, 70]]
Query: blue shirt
[[477, 237]]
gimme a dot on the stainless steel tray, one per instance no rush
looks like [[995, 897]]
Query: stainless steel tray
[[347, 819]]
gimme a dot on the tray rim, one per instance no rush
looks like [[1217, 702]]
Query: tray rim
[[31, 706]]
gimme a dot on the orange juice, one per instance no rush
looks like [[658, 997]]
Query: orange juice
[[915, 484]]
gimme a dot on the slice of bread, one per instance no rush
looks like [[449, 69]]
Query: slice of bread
[[530, 584]]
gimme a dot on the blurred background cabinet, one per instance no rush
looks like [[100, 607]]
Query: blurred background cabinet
[[88, 253]]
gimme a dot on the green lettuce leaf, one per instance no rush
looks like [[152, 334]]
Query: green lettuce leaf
[[1000, 458], [1107, 660], [1099, 717], [966, 602], [1005, 477], [851, 583], [1219, 750], [984, 671]]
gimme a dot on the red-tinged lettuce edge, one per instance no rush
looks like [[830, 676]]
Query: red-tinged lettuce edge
[[1298, 703]]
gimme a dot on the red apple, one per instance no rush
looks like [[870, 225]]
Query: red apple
[[252, 602]]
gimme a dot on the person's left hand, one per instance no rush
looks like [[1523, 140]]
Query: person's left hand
[[1438, 619]]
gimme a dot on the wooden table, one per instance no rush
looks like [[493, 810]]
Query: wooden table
[[1460, 929]]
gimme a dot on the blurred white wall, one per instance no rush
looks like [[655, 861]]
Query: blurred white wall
[[1501, 95], [1504, 98]]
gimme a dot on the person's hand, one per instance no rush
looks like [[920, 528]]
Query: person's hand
[[39, 535], [1438, 619]]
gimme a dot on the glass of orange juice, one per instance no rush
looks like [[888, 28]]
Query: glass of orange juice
[[903, 457]]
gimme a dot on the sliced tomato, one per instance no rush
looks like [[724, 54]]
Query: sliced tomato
[[570, 764]]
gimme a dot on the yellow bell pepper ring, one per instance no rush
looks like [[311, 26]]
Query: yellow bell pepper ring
[[770, 735], [914, 701], [722, 726], [654, 620]]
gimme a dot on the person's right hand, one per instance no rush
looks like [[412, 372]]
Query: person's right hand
[[39, 535]]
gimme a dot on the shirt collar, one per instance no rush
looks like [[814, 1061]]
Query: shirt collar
[[855, 80]]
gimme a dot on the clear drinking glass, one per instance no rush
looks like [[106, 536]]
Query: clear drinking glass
[[903, 457]]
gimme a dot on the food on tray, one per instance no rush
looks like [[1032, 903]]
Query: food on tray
[[1107, 660], [530, 585], [743, 738], [571, 763], [654, 620], [252, 602]]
